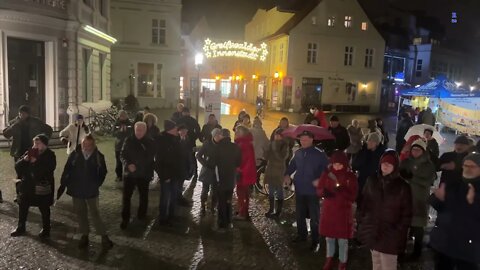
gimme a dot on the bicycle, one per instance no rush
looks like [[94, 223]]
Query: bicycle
[[262, 187]]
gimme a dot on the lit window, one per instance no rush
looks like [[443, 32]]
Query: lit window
[[159, 32], [312, 53], [348, 57], [368, 58], [348, 21], [364, 26], [331, 21]]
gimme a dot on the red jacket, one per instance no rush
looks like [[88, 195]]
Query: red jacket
[[321, 118], [336, 216], [247, 169]]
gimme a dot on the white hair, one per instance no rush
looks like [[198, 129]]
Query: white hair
[[141, 124]]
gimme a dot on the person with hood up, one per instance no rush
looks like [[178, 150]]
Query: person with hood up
[[455, 238], [385, 214], [420, 173], [247, 172], [338, 189], [74, 133], [260, 140]]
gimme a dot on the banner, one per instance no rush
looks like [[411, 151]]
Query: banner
[[213, 104]]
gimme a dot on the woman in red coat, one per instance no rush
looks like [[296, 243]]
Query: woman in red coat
[[338, 189], [247, 172]]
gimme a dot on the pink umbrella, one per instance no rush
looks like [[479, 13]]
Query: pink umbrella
[[320, 133]]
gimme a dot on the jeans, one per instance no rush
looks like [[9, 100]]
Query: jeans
[[129, 185], [307, 204], [275, 191], [206, 187], [168, 199], [118, 165], [23, 213], [444, 262], [224, 208], [383, 261], [243, 199], [342, 248], [85, 206]]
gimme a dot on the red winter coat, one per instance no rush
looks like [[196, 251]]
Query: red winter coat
[[336, 217], [321, 118], [247, 169]]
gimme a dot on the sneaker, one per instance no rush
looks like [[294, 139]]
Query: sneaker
[[106, 242], [19, 231], [83, 243]]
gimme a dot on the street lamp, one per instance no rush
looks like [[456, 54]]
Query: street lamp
[[198, 63]]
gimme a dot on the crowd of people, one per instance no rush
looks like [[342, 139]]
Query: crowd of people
[[354, 187]]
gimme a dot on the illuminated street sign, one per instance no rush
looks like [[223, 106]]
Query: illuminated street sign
[[233, 49]]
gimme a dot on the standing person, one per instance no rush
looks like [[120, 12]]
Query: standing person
[[239, 120], [283, 124], [276, 155], [455, 238], [355, 134], [193, 134], [403, 126], [123, 129], [82, 176], [342, 140], [246, 122], [405, 153], [308, 164], [152, 130], [187, 148], [432, 145], [228, 159], [247, 172], [385, 214], [206, 156], [206, 133], [420, 172], [138, 117], [178, 113], [74, 133], [366, 162], [260, 140], [338, 189], [36, 168], [319, 115], [373, 128], [427, 117], [168, 165], [384, 131], [450, 163], [137, 158]]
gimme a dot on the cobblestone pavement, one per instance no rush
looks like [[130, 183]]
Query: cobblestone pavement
[[190, 244]]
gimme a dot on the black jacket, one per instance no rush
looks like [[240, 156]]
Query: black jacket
[[342, 139], [455, 174], [366, 163], [168, 158], [206, 157], [192, 126], [33, 125], [140, 153], [456, 231], [228, 159], [153, 132], [83, 178], [206, 134], [403, 126], [187, 158], [120, 135]]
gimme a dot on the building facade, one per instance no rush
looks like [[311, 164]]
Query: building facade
[[54, 57], [147, 57]]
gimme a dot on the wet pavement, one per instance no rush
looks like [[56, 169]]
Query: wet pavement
[[191, 243]]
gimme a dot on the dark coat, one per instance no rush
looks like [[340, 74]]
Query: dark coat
[[403, 126], [433, 150], [188, 165], [276, 155], [206, 134], [34, 126], [336, 216], [366, 163], [35, 174], [342, 139], [120, 135], [455, 174], [385, 214], [228, 159], [169, 158], [192, 126], [456, 231], [140, 153], [176, 116], [83, 178], [309, 164], [206, 156], [153, 132]]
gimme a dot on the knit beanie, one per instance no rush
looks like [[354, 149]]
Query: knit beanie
[[420, 143], [41, 137]]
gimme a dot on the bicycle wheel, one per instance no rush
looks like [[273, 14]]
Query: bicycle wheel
[[260, 185]]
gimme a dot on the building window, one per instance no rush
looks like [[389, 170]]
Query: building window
[[281, 53], [102, 74], [145, 80], [312, 53], [87, 86], [331, 21], [159, 85], [418, 68], [364, 26], [159, 31], [348, 59], [368, 58], [348, 21]]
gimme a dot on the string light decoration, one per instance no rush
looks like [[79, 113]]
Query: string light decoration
[[233, 49]]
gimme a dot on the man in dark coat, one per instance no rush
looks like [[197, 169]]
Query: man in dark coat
[[36, 169], [137, 158], [228, 158], [455, 238], [83, 175], [123, 128], [450, 163], [206, 134], [187, 148], [342, 139], [178, 113], [403, 126], [193, 134], [168, 165]]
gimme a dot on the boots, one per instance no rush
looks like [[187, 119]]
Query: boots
[[278, 209], [83, 243], [106, 242], [328, 264], [19, 231], [44, 233], [271, 201], [342, 266]]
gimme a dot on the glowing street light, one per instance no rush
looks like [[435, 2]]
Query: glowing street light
[[198, 59], [458, 84], [276, 75], [254, 76], [472, 88], [198, 63]]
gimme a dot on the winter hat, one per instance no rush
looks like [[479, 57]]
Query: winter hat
[[169, 125], [419, 143], [374, 137], [462, 139], [216, 131], [390, 158], [41, 137], [475, 157], [339, 157]]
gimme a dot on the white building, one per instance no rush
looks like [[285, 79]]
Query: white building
[[146, 58], [54, 57], [329, 54]]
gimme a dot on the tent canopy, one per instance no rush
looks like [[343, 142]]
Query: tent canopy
[[440, 87]]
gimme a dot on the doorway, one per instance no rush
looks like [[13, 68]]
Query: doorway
[[26, 76], [311, 93]]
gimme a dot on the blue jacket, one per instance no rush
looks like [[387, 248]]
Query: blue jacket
[[308, 165]]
